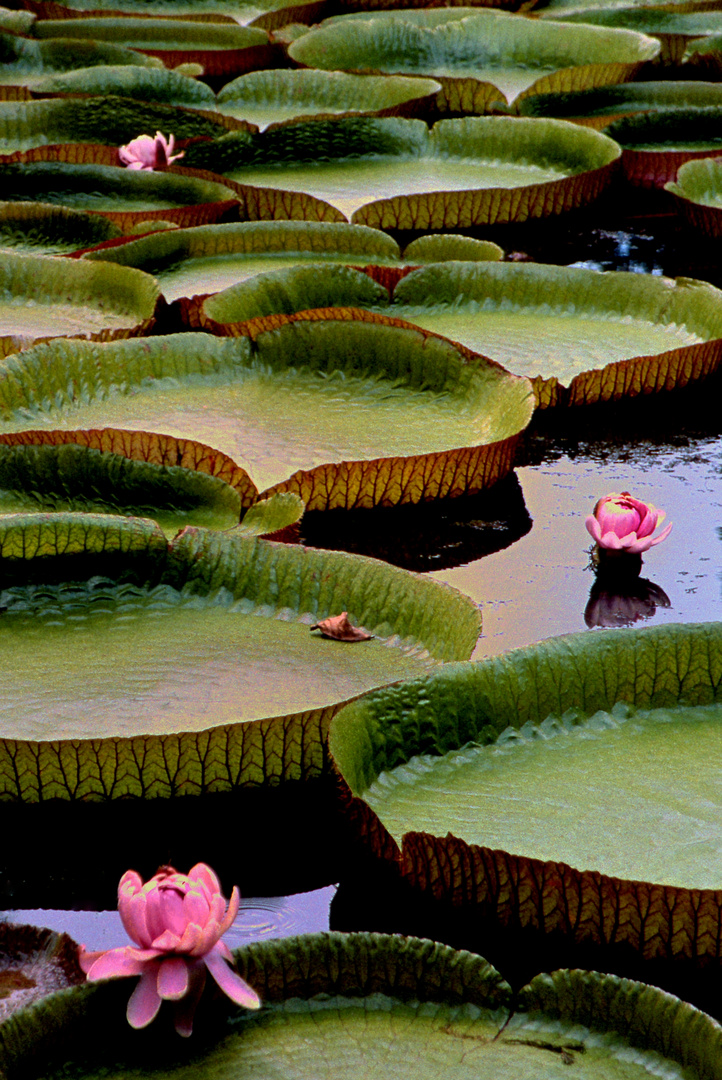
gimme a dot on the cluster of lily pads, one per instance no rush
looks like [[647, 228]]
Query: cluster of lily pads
[[247, 273]]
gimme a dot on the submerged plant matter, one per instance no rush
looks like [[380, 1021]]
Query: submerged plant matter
[[150, 153], [176, 921]]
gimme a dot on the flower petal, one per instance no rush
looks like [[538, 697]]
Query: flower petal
[[116, 963], [230, 982], [144, 1001], [186, 1008], [593, 528], [173, 978], [233, 905]]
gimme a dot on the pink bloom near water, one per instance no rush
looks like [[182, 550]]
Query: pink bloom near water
[[622, 523], [147, 152], [176, 921]]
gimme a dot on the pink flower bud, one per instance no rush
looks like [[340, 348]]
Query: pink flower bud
[[622, 523], [176, 921], [149, 153]]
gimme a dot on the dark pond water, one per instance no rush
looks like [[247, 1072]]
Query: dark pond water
[[521, 553]]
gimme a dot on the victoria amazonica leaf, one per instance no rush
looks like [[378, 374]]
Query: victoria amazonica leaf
[[241, 11], [600, 106], [460, 173], [143, 84], [44, 229], [210, 258], [110, 119], [339, 1005], [594, 751], [23, 61], [47, 297], [367, 413], [165, 658], [510, 52], [268, 97]]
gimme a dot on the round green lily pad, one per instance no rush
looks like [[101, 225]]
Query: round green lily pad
[[142, 84], [124, 196], [352, 1005], [345, 410], [24, 61], [512, 763], [514, 54], [267, 97], [600, 106], [48, 297], [191, 667], [656, 144], [395, 173], [212, 257], [43, 229]]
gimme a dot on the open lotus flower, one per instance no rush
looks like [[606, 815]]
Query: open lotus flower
[[624, 524], [147, 152], [176, 921]]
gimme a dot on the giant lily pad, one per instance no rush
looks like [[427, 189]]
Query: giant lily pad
[[674, 29], [23, 60], [513, 53], [463, 172], [210, 258], [362, 413], [698, 192], [47, 297], [241, 11], [192, 668], [44, 229], [267, 97], [143, 84], [656, 144], [550, 768], [350, 1006], [600, 107], [579, 335], [33, 964], [221, 48], [124, 196], [175, 482], [109, 119]]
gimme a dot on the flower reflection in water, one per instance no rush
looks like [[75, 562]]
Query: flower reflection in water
[[623, 603]]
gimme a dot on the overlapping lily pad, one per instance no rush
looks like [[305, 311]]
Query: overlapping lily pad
[[34, 963], [267, 97], [534, 790], [698, 192], [345, 410], [656, 144], [44, 229], [241, 11], [339, 1006], [581, 336], [175, 482], [601, 106], [192, 668], [46, 297], [110, 119], [464, 172], [221, 48], [124, 196], [210, 258], [674, 29], [512, 53], [24, 61], [142, 84]]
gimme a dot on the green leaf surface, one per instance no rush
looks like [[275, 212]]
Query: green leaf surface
[[150, 700], [142, 84], [570, 328], [43, 229], [153, 33], [241, 11], [510, 52], [693, 128], [46, 297], [607, 717], [344, 404], [267, 97], [338, 1005], [23, 60], [443, 247], [111, 119], [350, 162], [271, 515], [622, 99], [213, 257]]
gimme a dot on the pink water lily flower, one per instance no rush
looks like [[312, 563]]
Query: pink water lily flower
[[622, 523], [147, 152], [176, 921]]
